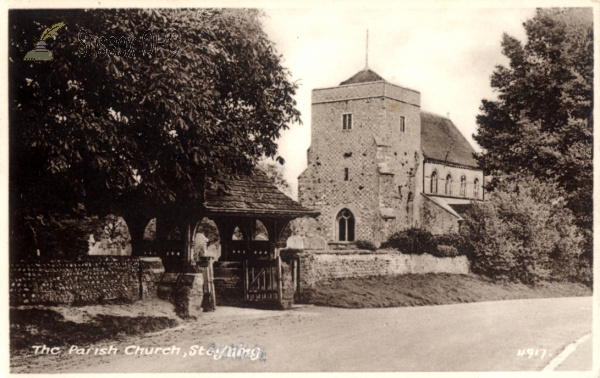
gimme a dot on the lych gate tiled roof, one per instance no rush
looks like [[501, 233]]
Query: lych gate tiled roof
[[364, 76], [253, 194], [441, 140]]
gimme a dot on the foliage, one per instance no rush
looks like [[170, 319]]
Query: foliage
[[525, 233], [116, 230], [413, 241], [150, 231], [210, 231], [60, 237], [365, 244], [456, 241], [68, 236], [126, 134], [275, 173], [542, 122], [418, 241], [445, 251]]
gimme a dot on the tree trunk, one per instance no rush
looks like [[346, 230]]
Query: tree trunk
[[136, 223]]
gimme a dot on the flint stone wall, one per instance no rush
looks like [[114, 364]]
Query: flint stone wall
[[318, 265], [88, 279]]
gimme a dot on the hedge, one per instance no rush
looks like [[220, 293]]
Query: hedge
[[417, 241]]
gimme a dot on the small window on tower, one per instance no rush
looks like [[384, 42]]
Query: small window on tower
[[402, 124], [347, 122], [345, 174]]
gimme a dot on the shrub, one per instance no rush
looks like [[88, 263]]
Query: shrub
[[365, 244], [457, 241], [413, 241], [525, 233]]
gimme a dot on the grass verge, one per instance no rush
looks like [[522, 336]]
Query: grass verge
[[30, 327], [429, 289]]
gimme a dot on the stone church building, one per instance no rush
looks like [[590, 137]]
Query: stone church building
[[379, 164]]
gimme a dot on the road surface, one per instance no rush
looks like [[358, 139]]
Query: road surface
[[486, 336]]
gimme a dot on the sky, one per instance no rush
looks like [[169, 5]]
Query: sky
[[448, 55]]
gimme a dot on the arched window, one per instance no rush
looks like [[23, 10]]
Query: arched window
[[463, 186], [345, 223], [434, 182], [448, 190], [476, 188]]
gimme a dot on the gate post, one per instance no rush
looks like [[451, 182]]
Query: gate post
[[246, 283], [279, 281]]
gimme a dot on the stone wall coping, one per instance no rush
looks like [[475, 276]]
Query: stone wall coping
[[361, 252], [84, 258], [351, 252]]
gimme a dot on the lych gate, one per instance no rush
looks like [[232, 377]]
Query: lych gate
[[248, 270]]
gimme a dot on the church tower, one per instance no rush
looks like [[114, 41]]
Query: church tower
[[365, 163]]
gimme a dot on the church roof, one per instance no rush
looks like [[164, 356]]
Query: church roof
[[364, 76], [441, 140], [253, 195], [455, 206]]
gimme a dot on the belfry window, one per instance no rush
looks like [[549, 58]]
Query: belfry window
[[402, 124], [448, 190], [463, 186], [347, 122], [345, 224], [434, 183]]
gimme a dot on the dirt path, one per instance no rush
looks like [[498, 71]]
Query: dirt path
[[483, 336]]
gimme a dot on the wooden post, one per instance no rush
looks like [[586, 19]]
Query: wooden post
[[187, 247], [293, 268], [279, 279], [246, 283], [271, 284], [211, 283]]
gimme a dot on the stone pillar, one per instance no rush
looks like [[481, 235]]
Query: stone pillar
[[287, 284], [185, 291], [151, 270], [288, 260]]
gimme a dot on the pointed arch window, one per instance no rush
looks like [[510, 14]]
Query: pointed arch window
[[434, 183], [345, 224], [463, 186], [476, 188], [448, 189]]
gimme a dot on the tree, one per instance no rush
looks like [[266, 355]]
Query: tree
[[274, 172], [140, 108], [116, 230], [65, 236], [526, 233], [542, 124]]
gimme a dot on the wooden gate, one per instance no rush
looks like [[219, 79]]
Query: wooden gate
[[262, 281]]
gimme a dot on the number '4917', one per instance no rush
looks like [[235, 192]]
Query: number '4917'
[[530, 353]]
